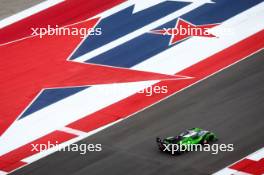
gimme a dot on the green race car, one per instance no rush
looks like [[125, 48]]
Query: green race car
[[194, 136]]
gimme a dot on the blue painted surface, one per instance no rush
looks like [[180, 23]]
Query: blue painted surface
[[124, 22], [147, 45], [50, 96]]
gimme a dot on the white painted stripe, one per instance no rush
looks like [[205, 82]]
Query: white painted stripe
[[259, 154], [140, 31], [241, 173], [226, 171], [72, 131], [3, 173], [92, 99], [28, 12]]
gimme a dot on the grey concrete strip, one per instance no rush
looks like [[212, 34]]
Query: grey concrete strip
[[11, 7]]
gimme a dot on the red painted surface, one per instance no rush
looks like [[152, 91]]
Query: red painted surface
[[249, 166], [64, 13], [36, 63], [12, 160]]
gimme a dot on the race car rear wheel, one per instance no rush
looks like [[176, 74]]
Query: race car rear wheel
[[208, 138]]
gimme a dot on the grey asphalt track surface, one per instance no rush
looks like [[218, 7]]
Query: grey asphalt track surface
[[10, 7], [230, 103]]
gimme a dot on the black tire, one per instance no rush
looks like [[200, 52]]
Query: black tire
[[207, 139]]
